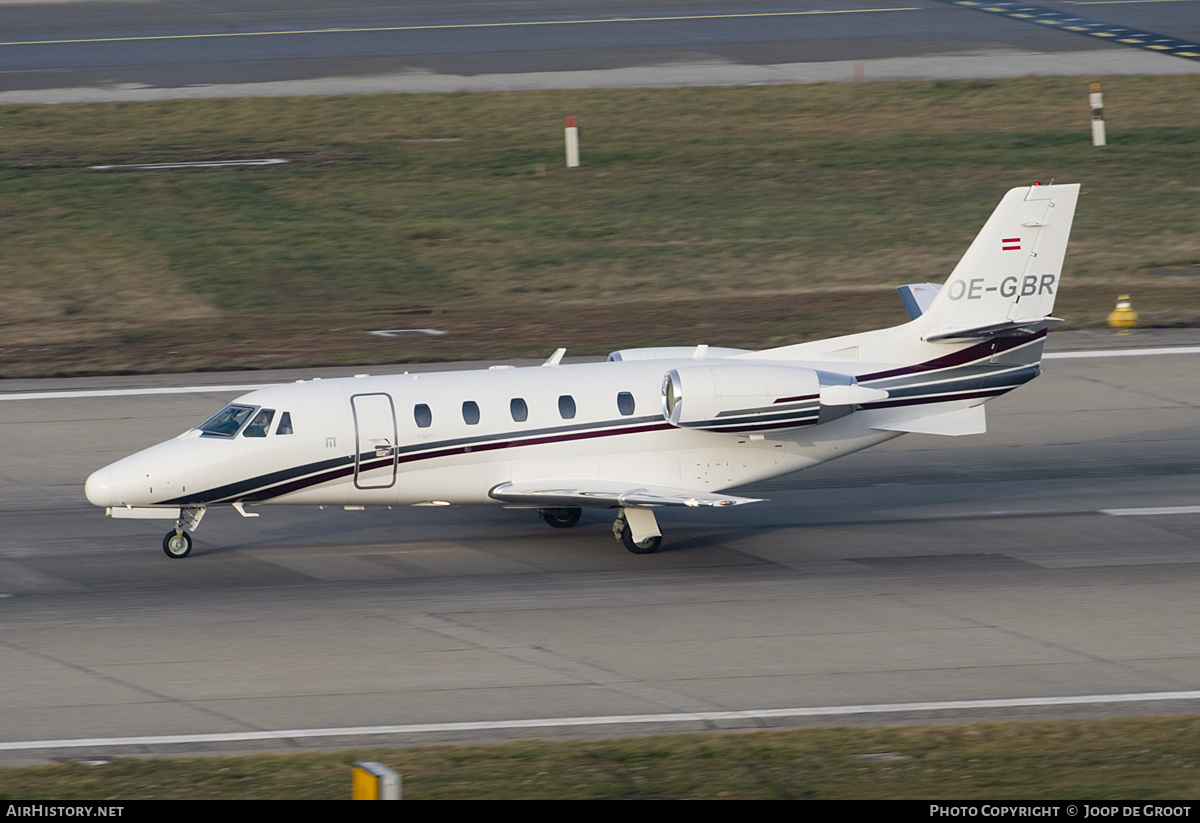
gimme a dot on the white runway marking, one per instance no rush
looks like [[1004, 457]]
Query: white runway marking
[[1069, 355], [1150, 510], [199, 164], [72, 395], [609, 720]]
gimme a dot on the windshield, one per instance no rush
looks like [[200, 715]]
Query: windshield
[[227, 421]]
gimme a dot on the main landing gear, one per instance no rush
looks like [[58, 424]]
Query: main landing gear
[[561, 518], [178, 543], [637, 530]]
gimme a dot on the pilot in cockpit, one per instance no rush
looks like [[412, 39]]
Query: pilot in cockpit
[[258, 426]]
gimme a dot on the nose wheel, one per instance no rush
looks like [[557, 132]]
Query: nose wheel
[[177, 544]]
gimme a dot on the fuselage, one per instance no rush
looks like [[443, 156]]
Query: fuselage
[[452, 437], [441, 438]]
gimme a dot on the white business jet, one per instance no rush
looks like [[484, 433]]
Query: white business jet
[[648, 428]]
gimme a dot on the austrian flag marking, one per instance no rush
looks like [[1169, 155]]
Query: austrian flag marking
[[1010, 244]]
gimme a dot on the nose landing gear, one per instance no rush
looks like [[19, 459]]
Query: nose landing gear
[[177, 544]]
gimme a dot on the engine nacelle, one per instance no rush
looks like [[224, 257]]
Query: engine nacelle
[[742, 397]]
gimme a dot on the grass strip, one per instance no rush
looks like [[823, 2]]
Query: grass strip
[[1109, 759], [730, 216]]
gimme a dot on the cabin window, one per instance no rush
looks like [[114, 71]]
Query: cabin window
[[227, 421], [285, 423], [625, 403], [566, 407], [518, 409], [259, 425], [423, 416], [470, 412]]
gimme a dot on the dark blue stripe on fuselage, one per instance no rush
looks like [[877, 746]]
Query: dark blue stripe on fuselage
[[285, 481]]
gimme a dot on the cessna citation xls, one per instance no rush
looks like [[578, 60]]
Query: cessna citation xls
[[648, 428]]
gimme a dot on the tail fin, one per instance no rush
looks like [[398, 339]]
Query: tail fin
[[1008, 279]]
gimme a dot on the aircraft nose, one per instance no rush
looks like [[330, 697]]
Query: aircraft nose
[[99, 488]]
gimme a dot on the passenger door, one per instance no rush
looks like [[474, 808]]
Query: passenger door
[[375, 441]]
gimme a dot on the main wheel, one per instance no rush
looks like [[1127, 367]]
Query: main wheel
[[648, 546], [561, 518], [177, 545]]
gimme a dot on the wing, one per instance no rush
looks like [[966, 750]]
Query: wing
[[606, 495]]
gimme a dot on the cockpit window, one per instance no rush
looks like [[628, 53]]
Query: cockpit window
[[227, 421], [259, 425], [285, 423]]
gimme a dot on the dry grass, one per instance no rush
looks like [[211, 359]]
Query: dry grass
[[1095, 760], [749, 215]]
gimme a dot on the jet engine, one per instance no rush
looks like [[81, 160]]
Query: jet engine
[[742, 397]]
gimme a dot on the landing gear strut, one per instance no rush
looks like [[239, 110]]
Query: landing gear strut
[[637, 529], [561, 518]]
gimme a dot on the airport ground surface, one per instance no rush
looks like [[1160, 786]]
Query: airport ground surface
[[928, 570], [89, 51]]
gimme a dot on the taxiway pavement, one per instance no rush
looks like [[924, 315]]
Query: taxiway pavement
[[101, 50]]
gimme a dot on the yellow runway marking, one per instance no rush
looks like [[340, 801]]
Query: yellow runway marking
[[518, 24]]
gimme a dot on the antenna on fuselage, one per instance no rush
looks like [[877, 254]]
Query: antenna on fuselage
[[556, 358]]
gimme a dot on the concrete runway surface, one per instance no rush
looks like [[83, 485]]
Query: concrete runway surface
[[928, 570]]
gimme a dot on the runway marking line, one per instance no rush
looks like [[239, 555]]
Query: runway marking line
[[89, 393], [1152, 510], [514, 24], [72, 395], [1070, 355], [748, 716]]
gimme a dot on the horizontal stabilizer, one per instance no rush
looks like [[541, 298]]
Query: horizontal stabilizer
[[606, 495], [1010, 327], [952, 424]]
